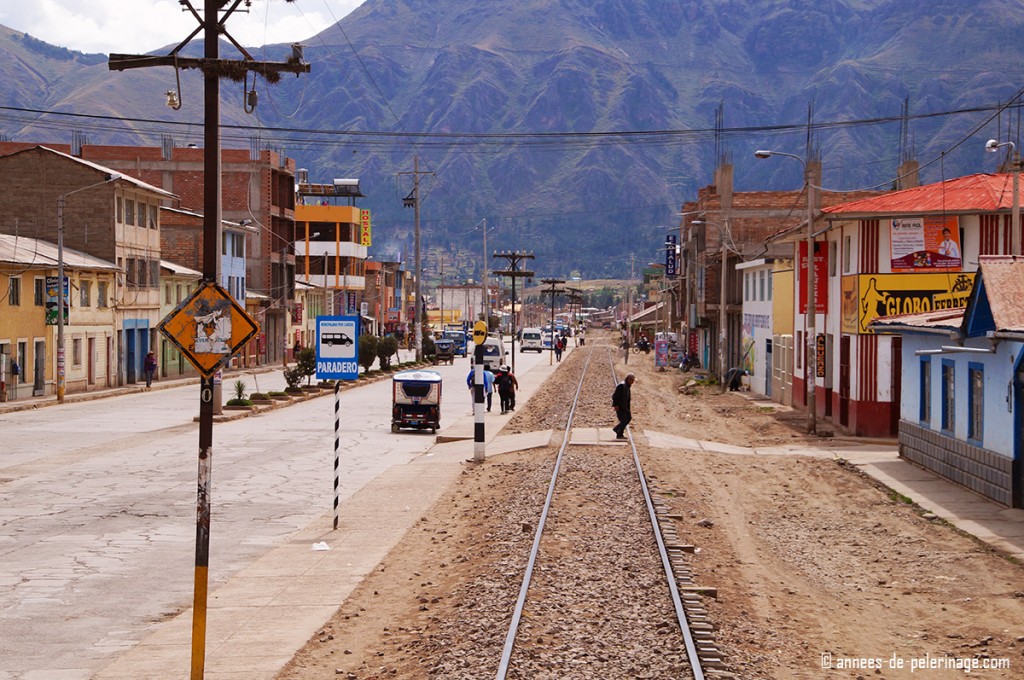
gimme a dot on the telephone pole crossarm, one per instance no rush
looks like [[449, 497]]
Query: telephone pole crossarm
[[515, 260]]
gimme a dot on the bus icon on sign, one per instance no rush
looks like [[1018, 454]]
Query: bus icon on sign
[[332, 339]]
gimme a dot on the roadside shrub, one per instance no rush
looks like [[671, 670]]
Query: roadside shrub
[[387, 347], [305, 362], [367, 351]]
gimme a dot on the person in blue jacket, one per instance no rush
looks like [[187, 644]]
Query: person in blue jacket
[[488, 386]]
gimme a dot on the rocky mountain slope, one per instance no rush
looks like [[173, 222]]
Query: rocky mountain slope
[[545, 76]]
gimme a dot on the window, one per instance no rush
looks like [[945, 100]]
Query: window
[[76, 352], [129, 212], [101, 294], [39, 292], [168, 295], [14, 291], [120, 210], [948, 395], [177, 293], [833, 257], [85, 293], [760, 295], [152, 217], [771, 279], [976, 402], [847, 254], [925, 414]]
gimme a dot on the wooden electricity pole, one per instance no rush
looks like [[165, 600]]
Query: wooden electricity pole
[[515, 259], [211, 25]]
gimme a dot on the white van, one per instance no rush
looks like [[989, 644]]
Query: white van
[[494, 352], [531, 341]]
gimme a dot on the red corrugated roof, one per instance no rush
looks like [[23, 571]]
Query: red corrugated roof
[[970, 194]]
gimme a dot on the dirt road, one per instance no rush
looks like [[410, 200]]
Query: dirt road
[[815, 564]]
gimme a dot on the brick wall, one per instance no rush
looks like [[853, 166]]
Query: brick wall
[[978, 469]]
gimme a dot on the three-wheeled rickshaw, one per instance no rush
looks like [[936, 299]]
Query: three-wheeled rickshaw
[[444, 351], [416, 400]]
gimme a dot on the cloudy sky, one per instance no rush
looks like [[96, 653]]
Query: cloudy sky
[[138, 26]]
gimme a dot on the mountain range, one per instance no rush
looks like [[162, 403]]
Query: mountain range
[[575, 128]]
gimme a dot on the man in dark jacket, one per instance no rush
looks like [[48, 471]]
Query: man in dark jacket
[[620, 402]]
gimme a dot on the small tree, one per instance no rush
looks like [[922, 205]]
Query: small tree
[[293, 376], [387, 347], [367, 351], [305, 363]]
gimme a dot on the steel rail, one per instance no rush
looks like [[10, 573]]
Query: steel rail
[[691, 648], [517, 614], [666, 563]]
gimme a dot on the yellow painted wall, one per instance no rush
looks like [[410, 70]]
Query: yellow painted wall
[[782, 298]]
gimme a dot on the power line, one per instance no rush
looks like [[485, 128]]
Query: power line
[[449, 139]]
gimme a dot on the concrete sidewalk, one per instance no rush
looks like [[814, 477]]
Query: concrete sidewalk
[[1000, 527], [267, 611]]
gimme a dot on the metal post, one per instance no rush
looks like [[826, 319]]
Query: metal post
[[1015, 237], [337, 442], [60, 301], [485, 299], [723, 319], [812, 312], [479, 450], [419, 272]]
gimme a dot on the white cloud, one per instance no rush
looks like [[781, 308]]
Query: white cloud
[[106, 26]]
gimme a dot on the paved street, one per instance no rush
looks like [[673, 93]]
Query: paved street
[[97, 506]]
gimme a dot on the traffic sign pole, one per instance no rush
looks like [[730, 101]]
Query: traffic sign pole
[[479, 336]]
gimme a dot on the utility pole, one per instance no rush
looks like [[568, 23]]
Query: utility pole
[[485, 300], [515, 258], [552, 291], [413, 201], [211, 25]]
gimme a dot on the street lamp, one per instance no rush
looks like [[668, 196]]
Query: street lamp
[[810, 358], [993, 146], [61, 378], [723, 319]]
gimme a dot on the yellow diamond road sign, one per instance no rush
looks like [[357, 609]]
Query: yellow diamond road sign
[[209, 328]]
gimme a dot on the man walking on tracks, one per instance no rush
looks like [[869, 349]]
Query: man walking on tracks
[[620, 402]]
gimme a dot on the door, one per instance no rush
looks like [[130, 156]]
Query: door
[[896, 384], [39, 365], [129, 356], [1017, 468], [90, 361], [844, 380], [768, 370]]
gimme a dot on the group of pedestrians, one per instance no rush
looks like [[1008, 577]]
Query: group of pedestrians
[[503, 380]]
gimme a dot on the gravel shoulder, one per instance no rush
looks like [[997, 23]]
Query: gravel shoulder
[[810, 558]]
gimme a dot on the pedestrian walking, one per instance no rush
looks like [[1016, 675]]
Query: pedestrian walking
[[505, 382], [149, 367], [488, 387], [558, 348], [515, 388], [621, 404]]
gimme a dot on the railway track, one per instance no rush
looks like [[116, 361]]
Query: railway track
[[606, 592]]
